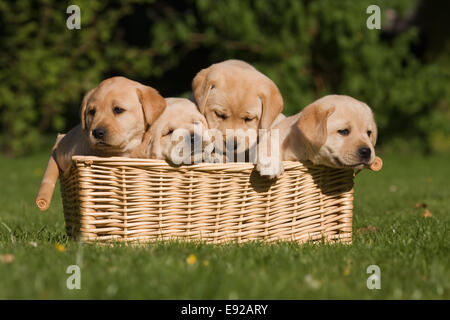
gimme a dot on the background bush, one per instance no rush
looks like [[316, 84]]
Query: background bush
[[309, 48]]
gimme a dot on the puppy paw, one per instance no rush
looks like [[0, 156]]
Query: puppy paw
[[271, 171]]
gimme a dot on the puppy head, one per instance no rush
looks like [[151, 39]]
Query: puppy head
[[177, 133], [338, 131], [234, 95], [116, 113]]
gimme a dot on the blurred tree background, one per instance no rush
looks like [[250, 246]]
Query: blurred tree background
[[308, 48]]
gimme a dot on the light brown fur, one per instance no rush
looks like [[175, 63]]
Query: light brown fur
[[312, 135], [123, 132], [234, 95], [180, 114]]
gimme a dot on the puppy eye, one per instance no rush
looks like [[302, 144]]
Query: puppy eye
[[118, 110], [344, 132], [248, 119], [92, 112], [170, 131], [221, 116], [369, 133]]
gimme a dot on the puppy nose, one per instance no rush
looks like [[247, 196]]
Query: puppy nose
[[98, 133], [364, 153]]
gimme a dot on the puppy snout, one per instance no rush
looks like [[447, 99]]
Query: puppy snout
[[364, 153], [99, 133]]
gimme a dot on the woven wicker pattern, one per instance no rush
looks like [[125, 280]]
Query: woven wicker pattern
[[124, 199]]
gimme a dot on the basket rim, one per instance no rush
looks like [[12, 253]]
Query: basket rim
[[231, 166], [203, 165]]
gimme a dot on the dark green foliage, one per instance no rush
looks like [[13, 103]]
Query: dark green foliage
[[309, 48]]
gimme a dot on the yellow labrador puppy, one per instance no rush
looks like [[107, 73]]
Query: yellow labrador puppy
[[234, 95], [335, 131], [179, 134], [114, 118]]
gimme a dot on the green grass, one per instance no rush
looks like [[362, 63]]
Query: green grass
[[412, 251]]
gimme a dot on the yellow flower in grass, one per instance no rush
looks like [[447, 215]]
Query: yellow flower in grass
[[347, 269], [206, 263], [60, 247], [192, 259]]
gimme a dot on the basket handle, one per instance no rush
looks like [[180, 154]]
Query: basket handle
[[376, 165]]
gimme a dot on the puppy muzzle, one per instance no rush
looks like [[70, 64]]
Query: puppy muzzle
[[99, 133]]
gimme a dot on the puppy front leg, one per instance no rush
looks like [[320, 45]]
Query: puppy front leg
[[270, 166], [49, 178]]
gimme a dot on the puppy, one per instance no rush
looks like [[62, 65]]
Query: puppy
[[179, 134], [234, 95], [114, 118], [336, 131]]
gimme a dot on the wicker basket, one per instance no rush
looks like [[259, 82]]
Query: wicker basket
[[125, 199]]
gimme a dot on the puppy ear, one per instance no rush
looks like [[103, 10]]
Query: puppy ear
[[201, 88], [312, 126], [83, 108], [272, 105], [374, 135], [153, 104]]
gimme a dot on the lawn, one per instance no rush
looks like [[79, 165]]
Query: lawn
[[411, 250]]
